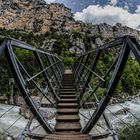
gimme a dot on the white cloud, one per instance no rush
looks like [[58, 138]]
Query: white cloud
[[138, 9], [49, 1], [109, 14], [114, 2], [126, 6]]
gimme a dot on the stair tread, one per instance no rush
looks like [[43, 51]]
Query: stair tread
[[67, 117], [68, 82], [66, 136], [68, 87], [72, 94], [68, 126], [63, 89], [69, 133], [68, 110], [67, 114], [68, 96], [67, 104], [67, 100], [67, 91]]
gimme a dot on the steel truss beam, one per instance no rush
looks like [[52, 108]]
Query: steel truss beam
[[7, 46], [128, 43]]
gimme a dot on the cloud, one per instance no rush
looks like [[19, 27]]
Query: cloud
[[109, 14], [114, 2], [138, 9], [49, 1]]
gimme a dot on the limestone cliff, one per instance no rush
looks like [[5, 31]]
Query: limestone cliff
[[38, 17], [32, 15]]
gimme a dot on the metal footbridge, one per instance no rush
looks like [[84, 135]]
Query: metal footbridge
[[76, 99]]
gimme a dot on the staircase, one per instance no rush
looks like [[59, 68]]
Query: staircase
[[68, 126]]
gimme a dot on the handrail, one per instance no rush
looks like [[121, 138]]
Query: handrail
[[111, 44], [125, 44], [82, 71], [7, 47]]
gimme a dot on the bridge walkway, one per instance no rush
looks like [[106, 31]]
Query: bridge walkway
[[97, 74], [68, 126]]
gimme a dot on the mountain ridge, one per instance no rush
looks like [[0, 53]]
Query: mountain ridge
[[38, 17]]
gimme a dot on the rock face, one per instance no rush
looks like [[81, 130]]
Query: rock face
[[78, 45], [106, 31], [38, 17], [32, 15], [48, 44]]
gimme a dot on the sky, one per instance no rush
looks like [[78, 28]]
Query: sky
[[126, 12]]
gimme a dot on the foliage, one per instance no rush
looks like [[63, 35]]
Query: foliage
[[129, 83], [131, 77], [68, 61], [62, 45], [76, 34], [5, 74], [129, 133], [2, 137]]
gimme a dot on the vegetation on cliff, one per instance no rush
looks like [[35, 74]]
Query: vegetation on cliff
[[129, 84], [130, 132]]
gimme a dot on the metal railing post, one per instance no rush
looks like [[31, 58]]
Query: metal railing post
[[46, 75]]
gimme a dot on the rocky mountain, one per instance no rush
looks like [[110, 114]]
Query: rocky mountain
[[52, 27], [32, 15], [40, 18]]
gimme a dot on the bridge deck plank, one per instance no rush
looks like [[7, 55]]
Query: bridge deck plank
[[68, 126]]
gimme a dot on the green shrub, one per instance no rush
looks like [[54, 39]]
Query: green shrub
[[68, 61], [129, 132]]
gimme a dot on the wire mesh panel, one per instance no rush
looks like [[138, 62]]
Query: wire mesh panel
[[97, 74], [38, 75]]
